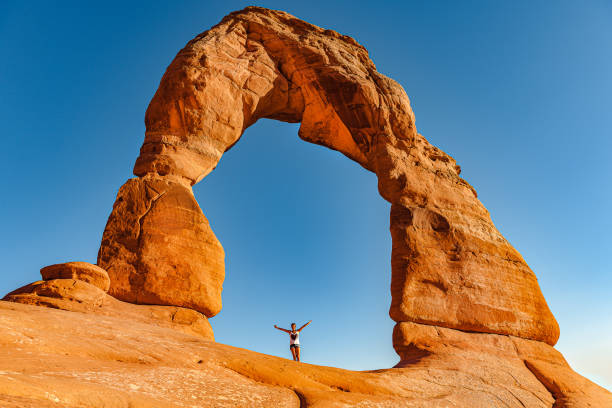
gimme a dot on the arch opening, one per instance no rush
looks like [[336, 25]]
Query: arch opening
[[305, 238]]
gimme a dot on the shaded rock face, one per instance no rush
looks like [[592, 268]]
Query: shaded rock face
[[450, 265]]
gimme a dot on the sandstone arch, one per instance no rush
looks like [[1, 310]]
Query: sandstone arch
[[450, 266]]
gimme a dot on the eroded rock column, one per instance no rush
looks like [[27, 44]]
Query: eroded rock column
[[450, 266]]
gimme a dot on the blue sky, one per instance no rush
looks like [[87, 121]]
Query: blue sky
[[518, 92]]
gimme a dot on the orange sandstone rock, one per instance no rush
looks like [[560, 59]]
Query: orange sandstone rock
[[158, 248], [58, 291], [450, 265], [518, 371], [92, 360], [83, 271], [79, 296]]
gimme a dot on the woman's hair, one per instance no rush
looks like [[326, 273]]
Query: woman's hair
[[293, 324]]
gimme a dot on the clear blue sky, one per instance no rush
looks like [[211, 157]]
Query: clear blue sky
[[520, 93]]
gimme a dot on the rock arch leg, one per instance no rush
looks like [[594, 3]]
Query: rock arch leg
[[159, 249]]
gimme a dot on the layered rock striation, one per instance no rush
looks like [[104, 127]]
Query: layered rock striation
[[79, 271], [158, 248], [81, 287]]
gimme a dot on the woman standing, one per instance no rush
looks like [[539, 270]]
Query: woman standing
[[294, 339]]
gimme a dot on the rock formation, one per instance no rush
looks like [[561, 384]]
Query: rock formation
[[81, 287], [159, 249], [89, 360], [450, 265], [473, 328], [81, 271]]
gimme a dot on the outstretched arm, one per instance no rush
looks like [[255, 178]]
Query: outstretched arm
[[310, 321], [285, 330]]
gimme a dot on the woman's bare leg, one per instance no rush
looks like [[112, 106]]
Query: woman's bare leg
[[297, 353], [293, 353]]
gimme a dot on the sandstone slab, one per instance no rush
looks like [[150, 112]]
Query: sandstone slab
[[79, 296], [93, 360], [82, 294], [517, 370], [82, 271]]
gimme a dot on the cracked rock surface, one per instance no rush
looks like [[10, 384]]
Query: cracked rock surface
[[158, 248]]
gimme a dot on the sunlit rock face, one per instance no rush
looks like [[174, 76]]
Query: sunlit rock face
[[57, 358], [158, 248], [82, 271], [81, 287], [450, 265]]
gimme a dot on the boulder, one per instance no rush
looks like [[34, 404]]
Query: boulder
[[82, 271], [159, 249]]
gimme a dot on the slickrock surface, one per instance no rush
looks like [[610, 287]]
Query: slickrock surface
[[83, 271], [450, 265], [500, 362], [57, 358], [159, 249]]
